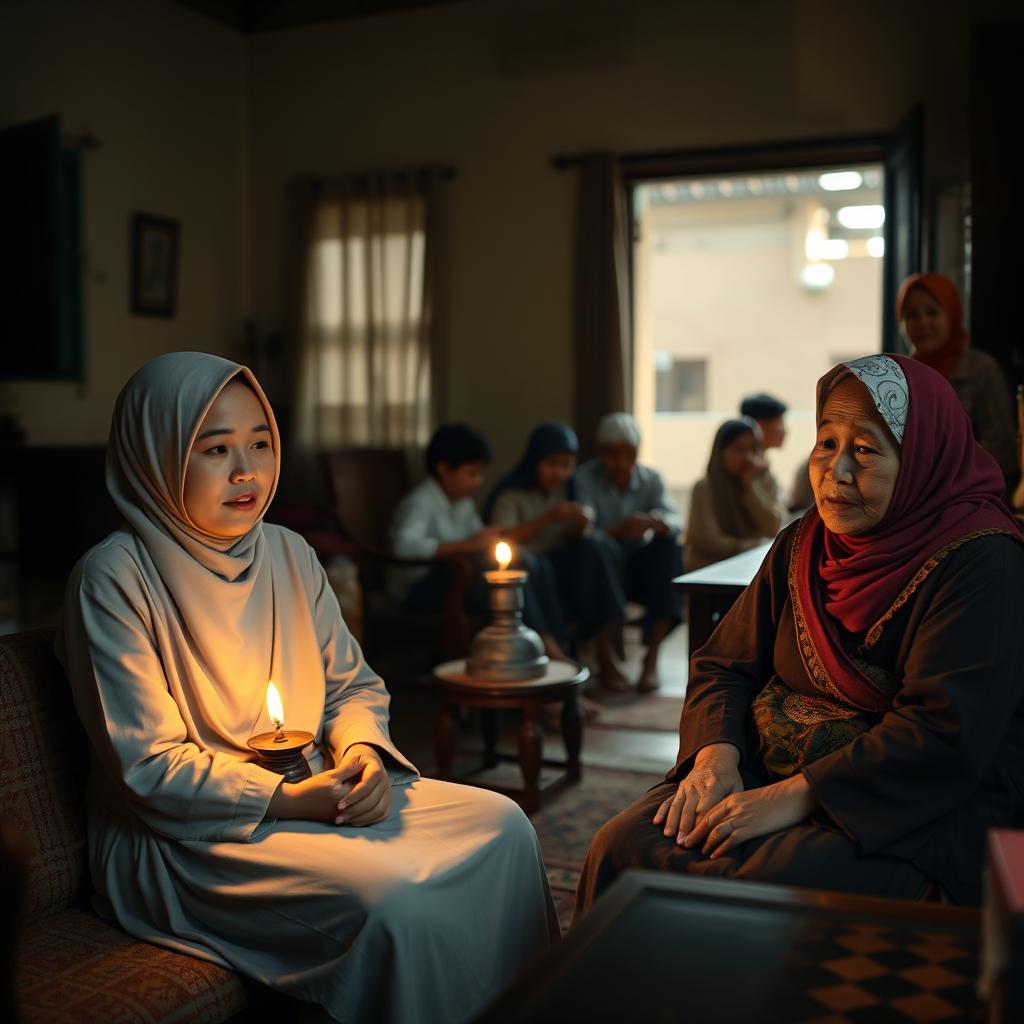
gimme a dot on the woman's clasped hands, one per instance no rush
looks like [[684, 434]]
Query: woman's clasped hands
[[712, 810], [356, 791]]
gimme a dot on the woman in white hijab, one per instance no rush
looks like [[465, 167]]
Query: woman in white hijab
[[366, 889]]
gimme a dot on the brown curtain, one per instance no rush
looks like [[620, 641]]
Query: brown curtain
[[602, 335], [366, 334]]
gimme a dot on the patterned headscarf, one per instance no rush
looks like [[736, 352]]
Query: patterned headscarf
[[947, 492]]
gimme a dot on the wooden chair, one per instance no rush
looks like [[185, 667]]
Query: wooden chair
[[365, 486]]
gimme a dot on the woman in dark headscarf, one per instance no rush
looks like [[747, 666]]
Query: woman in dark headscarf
[[535, 504], [930, 318], [856, 721], [731, 510]]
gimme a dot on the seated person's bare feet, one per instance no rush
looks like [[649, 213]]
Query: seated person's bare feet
[[609, 673], [612, 679], [648, 681]]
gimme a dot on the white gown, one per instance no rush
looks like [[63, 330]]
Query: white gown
[[424, 917]]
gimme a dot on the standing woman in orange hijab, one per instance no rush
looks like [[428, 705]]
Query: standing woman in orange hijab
[[929, 313]]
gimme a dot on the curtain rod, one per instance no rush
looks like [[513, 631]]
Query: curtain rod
[[869, 146], [446, 173]]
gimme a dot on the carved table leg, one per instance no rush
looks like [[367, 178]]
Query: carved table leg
[[530, 749], [572, 733]]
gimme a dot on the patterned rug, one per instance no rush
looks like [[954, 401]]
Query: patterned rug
[[637, 711], [568, 820]]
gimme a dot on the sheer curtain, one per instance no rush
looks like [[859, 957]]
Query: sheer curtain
[[602, 318], [366, 330]]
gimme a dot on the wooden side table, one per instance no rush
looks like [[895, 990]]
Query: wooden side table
[[562, 682]]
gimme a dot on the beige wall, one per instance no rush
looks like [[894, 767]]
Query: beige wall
[[191, 114], [495, 88], [718, 281], [164, 91]]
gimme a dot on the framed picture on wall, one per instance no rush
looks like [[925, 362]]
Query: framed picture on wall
[[155, 242]]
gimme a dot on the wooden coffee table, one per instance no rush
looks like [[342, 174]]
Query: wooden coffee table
[[668, 948], [561, 682]]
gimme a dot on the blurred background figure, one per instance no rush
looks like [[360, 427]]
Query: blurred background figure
[[769, 413], [439, 520], [635, 514], [729, 513], [929, 313], [537, 507]]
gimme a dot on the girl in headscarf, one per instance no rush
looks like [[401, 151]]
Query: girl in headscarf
[[929, 314], [856, 721], [731, 509], [365, 889], [535, 505]]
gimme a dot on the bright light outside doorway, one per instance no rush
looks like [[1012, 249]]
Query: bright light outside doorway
[[744, 284]]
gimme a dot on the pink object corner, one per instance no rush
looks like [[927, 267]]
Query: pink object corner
[[1006, 854]]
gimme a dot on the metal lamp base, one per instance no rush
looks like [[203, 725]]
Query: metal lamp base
[[283, 756], [506, 650]]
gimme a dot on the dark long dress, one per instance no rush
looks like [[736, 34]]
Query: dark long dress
[[904, 803]]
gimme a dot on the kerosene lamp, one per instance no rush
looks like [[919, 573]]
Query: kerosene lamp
[[280, 751], [506, 649]]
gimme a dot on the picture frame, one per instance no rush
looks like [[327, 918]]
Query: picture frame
[[155, 245]]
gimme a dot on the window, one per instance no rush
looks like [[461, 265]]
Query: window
[[370, 377], [744, 283], [680, 384]]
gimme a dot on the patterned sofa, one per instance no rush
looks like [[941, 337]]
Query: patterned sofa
[[70, 965]]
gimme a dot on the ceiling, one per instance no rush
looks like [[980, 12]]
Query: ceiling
[[268, 15]]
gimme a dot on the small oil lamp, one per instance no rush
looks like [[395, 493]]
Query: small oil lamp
[[280, 751], [506, 649]]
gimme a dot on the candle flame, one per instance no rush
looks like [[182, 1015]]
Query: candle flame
[[274, 707], [503, 554]]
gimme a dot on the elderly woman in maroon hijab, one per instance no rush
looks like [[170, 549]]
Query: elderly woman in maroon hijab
[[856, 722]]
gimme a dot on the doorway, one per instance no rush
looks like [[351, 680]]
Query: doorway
[[746, 283]]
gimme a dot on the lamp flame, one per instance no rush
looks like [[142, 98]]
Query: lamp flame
[[274, 707], [503, 554]]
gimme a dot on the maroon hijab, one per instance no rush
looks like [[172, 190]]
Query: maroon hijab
[[948, 491]]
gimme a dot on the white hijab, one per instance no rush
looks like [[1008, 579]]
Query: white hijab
[[169, 635], [219, 623], [156, 419]]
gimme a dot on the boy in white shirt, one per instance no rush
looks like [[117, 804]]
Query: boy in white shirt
[[439, 519]]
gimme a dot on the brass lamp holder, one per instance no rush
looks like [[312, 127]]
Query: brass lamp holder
[[281, 752], [506, 650]]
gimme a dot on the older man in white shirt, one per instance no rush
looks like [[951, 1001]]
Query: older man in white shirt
[[634, 511]]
